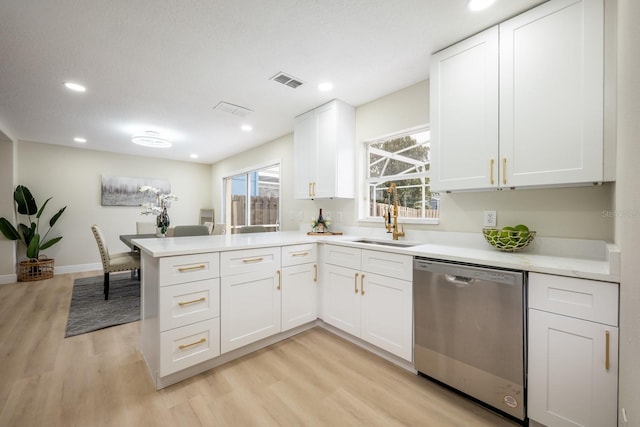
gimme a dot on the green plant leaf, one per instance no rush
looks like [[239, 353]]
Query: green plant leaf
[[8, 230], [25, 201], [33, 249], [43, 206], [56, 216], [50, 243], [27, 232]]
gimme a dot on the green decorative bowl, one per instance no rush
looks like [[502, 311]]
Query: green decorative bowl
[[508, 240]]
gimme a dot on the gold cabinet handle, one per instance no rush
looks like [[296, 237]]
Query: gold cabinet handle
[[310, 193], [504, 170], [300, 254], [606, 354], [279, 276], [191, 268], [314, 189], [183, 346], [315, 272], [491, 170], [250, 260], [181, 303], [355, 281], [362, 285]]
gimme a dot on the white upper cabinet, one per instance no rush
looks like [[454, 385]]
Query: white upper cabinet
[[464, 114], [324, 147], [521, 104]]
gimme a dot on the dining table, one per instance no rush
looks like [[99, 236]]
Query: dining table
[[127, 239]]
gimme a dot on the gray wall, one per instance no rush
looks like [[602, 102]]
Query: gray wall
[[7, 247]]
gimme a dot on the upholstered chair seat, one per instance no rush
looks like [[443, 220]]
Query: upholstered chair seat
[[111, 263]]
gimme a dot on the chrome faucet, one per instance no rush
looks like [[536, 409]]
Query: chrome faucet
[[392, 192]]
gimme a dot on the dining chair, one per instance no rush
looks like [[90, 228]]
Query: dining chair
[[190, 230], [252, 229], [123, 261], [219, 229], [145, 227]]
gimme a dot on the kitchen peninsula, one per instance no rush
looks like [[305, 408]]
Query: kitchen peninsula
[[192, 287]]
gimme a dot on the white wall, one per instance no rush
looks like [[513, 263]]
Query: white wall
[[72, 176], [628, 204], [7, 247]]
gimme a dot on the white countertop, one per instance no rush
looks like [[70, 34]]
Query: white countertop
[[567, 257]]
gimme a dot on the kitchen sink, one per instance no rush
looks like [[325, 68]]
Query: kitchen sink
[[392, 243]]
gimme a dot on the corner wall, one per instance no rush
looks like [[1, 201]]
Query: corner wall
[[7, 247]]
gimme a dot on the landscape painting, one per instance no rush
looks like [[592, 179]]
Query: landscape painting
[[125, 191]]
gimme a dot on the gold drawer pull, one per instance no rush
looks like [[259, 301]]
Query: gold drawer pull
[[250, 260], [362, 285], [183, 346], [300, 254], [315, 272], [606, 354], [193, 267], [279, 279], [181, 303], [355, 281]]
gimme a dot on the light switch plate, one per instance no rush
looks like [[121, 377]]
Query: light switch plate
[[490, 219]]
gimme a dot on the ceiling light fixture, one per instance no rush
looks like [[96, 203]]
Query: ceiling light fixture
[[325, 86], [151, 139], [477, 5], [193, 156], [75, 87], [246, 128], [80, 140]]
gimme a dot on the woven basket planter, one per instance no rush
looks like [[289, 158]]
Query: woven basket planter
[[35, 269]]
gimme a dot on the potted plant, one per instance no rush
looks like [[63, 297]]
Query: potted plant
[[29, 234]]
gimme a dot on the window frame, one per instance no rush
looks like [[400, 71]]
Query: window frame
[[367, 181], [226, 183]]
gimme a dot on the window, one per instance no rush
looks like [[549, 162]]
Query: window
[[253, 198], [402, 159]]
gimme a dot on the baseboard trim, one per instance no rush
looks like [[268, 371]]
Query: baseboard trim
[[8, 278], [77, 268]]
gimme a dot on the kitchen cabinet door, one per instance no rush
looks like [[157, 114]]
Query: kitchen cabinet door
[[551, 95], [299, 301], [464, 114], [573, 371], [304, 153], [342, 293], [386, 317], [324, 149], [249, 308]]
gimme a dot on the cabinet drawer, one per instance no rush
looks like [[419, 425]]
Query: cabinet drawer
[[189, 268], [388, 264], [570, 296], [189, 345], [299, 254], [250, 261], [343, 256], [189, 303]]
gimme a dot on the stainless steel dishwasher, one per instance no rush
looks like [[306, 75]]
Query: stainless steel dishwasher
[[469, 331]]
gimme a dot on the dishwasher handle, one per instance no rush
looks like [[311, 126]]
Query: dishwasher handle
[[459, 280]]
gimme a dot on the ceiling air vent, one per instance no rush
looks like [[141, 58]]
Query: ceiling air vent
[[287, 80], [236, 110]]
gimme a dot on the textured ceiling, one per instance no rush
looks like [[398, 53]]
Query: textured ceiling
[[163, 65]]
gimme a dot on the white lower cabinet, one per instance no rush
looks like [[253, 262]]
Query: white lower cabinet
[[573, 351], [374, 307], [299, 285]]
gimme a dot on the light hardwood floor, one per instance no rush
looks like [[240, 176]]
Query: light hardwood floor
[[100, 378]]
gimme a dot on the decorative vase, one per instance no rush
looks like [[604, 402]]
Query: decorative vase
[[162, 222]]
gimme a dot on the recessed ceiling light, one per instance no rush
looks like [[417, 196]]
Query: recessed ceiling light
[[151, 139], [476, 5], [246, 128], [75, 87], [80, 140], [193, 156], [325, 86]]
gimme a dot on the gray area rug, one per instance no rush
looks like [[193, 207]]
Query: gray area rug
[[89, 311]]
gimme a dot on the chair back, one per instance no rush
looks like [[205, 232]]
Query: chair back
[[190, 230], [102, 246], [145, 227], [252, 229], [219, 229]]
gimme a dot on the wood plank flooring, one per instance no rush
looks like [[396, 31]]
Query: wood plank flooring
[[100, 378]]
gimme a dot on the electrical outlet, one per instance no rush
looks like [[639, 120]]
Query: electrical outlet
[[490, 219]]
